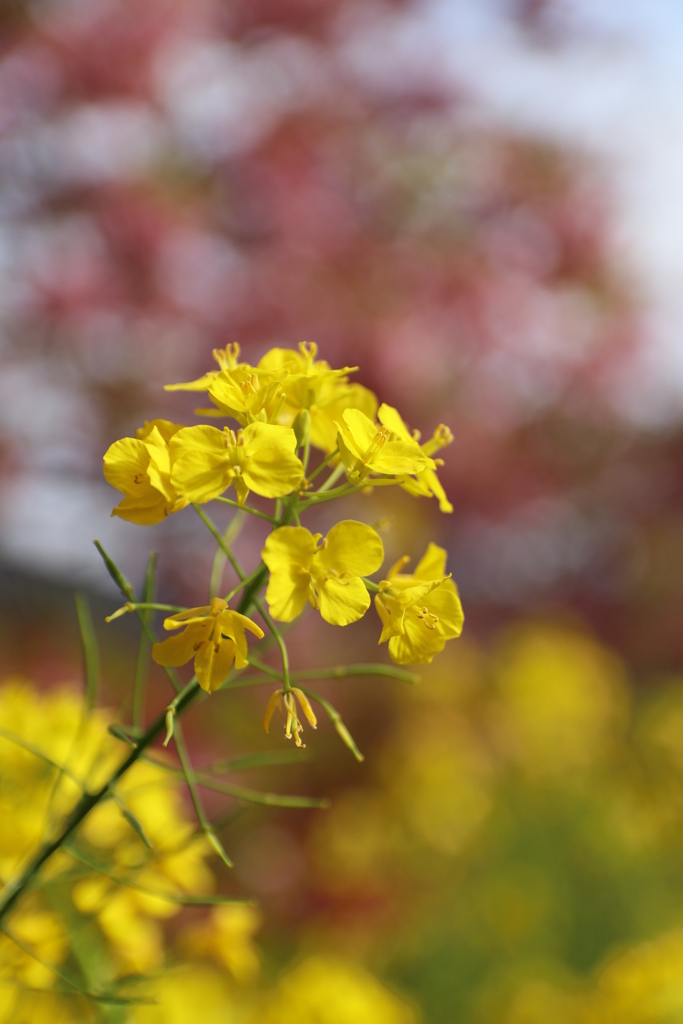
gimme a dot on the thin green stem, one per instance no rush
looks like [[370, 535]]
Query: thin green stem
[[219, 540], [371, 587], [257, 574], [130, 883], [142, 660], [337, 722], [190, 779], [246, 508], [279, 640], [135, 606], [340, 672], [30, 748], [231, 533], [91, 652], [253, 796], [317, 498], [332, 478], [322, 465]]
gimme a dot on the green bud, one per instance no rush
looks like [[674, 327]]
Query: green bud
[[302, 427]]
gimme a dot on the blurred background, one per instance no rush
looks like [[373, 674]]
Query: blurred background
[[477, 202]]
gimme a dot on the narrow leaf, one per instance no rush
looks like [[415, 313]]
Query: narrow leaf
[[115, 573], [91, 652]]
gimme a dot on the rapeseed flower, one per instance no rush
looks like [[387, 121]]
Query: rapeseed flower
[[327, 572], [293, 726], [368, 448], [140, 467], [213, 635], [312, 384], [426, 483], [246, 394], [420, 610], [261, 458]]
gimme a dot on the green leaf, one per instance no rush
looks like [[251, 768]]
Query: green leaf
[[119, 579], [91, 652]]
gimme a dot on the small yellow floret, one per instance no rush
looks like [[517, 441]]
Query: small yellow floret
[[328, 572], [213, 635], [420, 610], [260, 458]]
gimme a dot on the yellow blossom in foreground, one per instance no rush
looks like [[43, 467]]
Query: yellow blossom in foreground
[[312, 384], [261, 458], [426, 483], [293, 726], [246, 394], [325, 990], [140, 468], [227, 936], [420, 610], [327, 573], [213, 635], [367, 448]]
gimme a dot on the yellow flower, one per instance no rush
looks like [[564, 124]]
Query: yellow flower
[[260, 458], [327, 574], [213, 635], [227, 359], [293, 726], [367, 448], [426, 483], [419, 611], [313, 385], [246, 394], [140, 467]]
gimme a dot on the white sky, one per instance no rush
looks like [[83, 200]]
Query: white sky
[[613, 86]]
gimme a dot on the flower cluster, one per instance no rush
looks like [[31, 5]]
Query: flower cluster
[[288, 404]]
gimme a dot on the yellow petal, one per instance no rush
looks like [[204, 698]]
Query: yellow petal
[[125, 460], [306, 707], [213, 662], [273, 703], [360, 432], [352, 547], [287, 545], [159, 469], [397, 458], [148, 509], [182, 617], [165, 428], [445, 602], [178, 650], [342, 601], [201, 464], [391, 419], [271, 468], [324, 418], [432, 565]]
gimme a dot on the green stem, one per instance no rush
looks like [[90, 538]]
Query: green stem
[[189, 776], [340, 672], [246, 508], [91, 653], [322, 465], [370, 586], [134, 606], [142, 661], [219, 539], [332, 478], [257, 575]]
